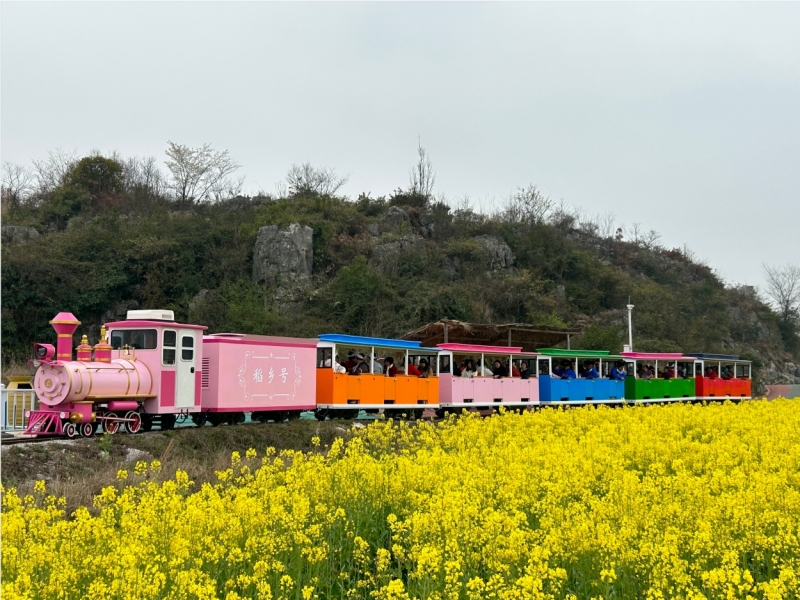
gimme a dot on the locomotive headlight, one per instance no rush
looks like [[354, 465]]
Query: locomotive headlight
[[41, 352], [27, 414]]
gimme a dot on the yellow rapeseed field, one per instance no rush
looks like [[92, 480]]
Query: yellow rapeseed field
[[646, 502]]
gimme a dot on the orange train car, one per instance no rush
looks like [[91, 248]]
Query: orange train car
[[362, 373]]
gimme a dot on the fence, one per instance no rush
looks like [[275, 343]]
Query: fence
[[14, 404]]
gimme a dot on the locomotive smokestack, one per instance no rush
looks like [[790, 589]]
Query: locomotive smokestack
[[65, 325]]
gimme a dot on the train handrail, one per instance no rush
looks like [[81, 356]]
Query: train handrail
[[15, 404]]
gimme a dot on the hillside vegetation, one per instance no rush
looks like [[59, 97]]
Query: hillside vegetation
[[108, 234]]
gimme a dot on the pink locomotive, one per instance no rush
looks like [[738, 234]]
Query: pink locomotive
[[142, 368], [149, 369]]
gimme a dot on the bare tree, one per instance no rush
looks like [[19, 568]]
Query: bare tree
[[201, 174], [783, 288], [605, 224], [52, 171], [308, 179], [526, 205], [17, 185], [422, 176], [143, 174]]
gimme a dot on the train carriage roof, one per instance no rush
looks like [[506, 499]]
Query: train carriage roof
[[357, 340], [717, 357], [656, 356], [479, 348], [562, 353]]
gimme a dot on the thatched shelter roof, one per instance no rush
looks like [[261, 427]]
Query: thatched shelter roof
[[528, 336]]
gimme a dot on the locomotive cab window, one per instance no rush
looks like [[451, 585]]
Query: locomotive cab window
[[324, 358], [187, 347], [168, 352], [140, 339]]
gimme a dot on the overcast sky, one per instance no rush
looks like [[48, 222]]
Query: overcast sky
[[682, 117]]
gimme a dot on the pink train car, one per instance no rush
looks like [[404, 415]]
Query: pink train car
[[485, 391], [270, 377]]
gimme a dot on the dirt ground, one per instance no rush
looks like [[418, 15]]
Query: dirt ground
[[79, 469]]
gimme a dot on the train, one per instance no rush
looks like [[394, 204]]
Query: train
[[150, 370]]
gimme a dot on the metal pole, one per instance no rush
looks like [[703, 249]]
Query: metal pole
[[630, 327]]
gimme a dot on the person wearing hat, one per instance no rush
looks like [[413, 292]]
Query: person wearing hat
[[567, 372], [618, 372], [351, 360], [590, 371], [360, 366]]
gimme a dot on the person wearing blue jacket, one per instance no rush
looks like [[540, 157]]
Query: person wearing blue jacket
[[590, 371], [566, 370], [618, 372]]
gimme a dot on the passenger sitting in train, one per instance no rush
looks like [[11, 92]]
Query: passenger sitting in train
[[514, 369], [483, 370], [726, 373], [499, 371], [377, 367], [391, 369], [669, 372], [360, 367], [524, 373], [567, 371], [711, 373], [590, 371], [618, 372], [351, 360], [642, 372], [338, 367], [469, 370], [424, 368], [412, 368]]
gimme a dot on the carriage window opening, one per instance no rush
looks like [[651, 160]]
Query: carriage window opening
[[324, 358], [444, 364], [187, 347], [141, 339], [168, 351]]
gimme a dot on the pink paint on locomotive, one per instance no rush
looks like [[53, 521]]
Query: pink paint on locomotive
[[164, 366], [246, 373]]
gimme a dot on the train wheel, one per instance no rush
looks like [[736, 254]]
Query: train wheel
[[110, 426], [134, 422], [70, 430], [199, 419], [321, 414], [234, 418], [215, 419], [167, 422], [86, 429], [278, 416]]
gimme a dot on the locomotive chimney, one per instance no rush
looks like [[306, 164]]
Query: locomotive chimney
[[65, 325]]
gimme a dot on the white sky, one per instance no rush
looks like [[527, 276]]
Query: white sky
[[682, 117]]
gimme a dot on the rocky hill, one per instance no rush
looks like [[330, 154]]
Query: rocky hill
[[310, 262]]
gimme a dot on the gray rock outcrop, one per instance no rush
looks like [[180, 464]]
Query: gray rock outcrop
[[384, 253], [283, 255], [14, 234], [427, 227], [498, 253], [393, 219]]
